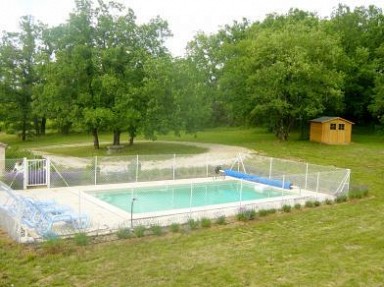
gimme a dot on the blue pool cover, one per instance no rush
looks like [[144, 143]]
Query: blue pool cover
[[259, 179]]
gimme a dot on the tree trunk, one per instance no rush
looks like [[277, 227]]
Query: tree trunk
[[95, 135], [43, 124], [116, 137], [24, 131], [132, 134], [131, 138], [37, 125]]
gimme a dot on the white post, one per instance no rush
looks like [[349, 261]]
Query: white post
[[174, 167], [48, 171], [95, 170], [25, 171], [206, 165], [2, 158], [137, 168], [241, 192], [306, 175], [283, 182], [270, 167], [190, 198], [318, 182]]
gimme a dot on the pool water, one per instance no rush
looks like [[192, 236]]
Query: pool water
[[170, 197]]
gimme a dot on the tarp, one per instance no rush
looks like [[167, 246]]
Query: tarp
[[259, 179]]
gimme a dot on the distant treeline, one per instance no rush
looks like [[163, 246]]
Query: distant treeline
[[102, 71]]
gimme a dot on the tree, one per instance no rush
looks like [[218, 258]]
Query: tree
[[18, 74], [361, 31], [377, 105], [210, 54], [290, 72]]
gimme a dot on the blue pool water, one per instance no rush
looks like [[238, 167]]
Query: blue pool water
[[170, 197]]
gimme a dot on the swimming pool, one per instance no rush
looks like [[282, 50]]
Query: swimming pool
[[182, 196]]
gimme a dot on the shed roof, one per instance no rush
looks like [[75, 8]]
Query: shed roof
[[327, 119]]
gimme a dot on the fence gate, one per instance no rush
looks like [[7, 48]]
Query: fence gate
[[36, 172]]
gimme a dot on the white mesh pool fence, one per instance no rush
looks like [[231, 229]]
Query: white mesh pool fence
[[306, 181]]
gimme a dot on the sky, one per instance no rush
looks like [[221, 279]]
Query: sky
[[185, 17]]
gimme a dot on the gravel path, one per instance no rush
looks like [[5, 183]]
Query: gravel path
[[216, 155]]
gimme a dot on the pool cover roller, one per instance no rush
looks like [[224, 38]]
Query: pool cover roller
[[258, 179]]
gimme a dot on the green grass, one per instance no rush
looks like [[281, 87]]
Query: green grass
[[331, 245]]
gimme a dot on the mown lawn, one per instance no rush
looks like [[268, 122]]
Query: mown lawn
[[331, 245]]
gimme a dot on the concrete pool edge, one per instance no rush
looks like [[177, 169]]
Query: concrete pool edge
[[107, 218]]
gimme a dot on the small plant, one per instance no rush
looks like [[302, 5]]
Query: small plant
[[175, 227], [316, 203], [221, 220], [53, 245], [272, 210], [192, 223], [341, 198], [297, 206], [206, 222], [156, 229], [246, 214], [263, 212], [286, 208], [139, 230], [124, 233], [81, 239], [328, 201], [309, 204], [358, 192]]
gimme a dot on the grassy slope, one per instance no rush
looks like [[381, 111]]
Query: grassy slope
[[338, 245]]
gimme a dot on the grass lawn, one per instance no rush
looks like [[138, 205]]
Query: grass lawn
[[332, 245]]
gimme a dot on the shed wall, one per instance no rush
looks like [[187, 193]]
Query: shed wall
[[322, 132]]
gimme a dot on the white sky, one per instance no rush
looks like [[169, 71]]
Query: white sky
[[185, 17]]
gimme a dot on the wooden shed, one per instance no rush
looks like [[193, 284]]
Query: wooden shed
[[330, 130]]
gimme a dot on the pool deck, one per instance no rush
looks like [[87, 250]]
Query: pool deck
[[106, 218]]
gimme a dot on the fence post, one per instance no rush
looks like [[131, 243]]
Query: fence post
[[283, 182], [174, 167], [318, 182], [95, 170], [2, 158], [25, 171], [270, 167], [190, 199], [306, 175], [48, 171], [137, 167], [207, 165], [241, 192]]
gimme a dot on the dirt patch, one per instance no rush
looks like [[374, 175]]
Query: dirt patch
[[215, 155]]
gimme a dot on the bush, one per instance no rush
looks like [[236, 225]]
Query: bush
[[309, 203], [53, 245], [81, 239], [221, 220], [297, 206], [316, 203], [175, 227], [263, 212], [341, 198], [206, 222], [358, 192], [124, 233], [286, 208], [328, 201], [246, 214], [139, 230], [156, 229], [192, 223]]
